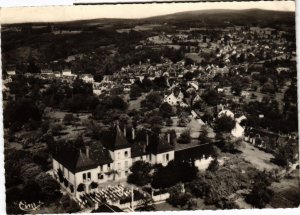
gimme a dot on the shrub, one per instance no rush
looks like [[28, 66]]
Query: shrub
[[185, 137], [213, 166], [140, 173], [178, 198], [94, 185], [259, 196], [80, 187]]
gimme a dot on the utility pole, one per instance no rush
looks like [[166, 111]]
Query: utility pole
[[132, 197]]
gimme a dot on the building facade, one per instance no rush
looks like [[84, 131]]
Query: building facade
[[110, 160]]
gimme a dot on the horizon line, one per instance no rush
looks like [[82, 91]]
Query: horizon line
[[61, 14]]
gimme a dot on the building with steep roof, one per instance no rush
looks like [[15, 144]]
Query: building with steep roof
[[110, 159]]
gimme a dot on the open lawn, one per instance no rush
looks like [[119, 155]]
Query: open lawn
[[135, 104], [193, 125], [195, 57], [259, 158]]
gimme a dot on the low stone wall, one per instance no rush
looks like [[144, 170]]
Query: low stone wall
[[160, 197]]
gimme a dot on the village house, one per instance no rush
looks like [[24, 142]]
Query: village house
[[175, 98], [87, 78], [46, 71], [238, 130], [11, 72]]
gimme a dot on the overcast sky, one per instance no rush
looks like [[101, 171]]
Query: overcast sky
[[69, 13]]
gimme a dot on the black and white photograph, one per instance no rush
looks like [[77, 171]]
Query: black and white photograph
[[150, 107]]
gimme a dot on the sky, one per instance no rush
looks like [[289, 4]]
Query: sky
[[69, 13]]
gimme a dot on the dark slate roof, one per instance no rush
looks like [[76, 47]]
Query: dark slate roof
[[76, 160], [100, 155], [139, 149], [159, 144], [114, 139]]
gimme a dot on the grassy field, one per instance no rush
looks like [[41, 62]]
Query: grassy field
[[193, 125], [259, 158]]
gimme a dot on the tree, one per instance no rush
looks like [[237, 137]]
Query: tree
[[173, 173], [50, 188], [211, 97], [135, 91], [203, 136], [68, 119], [260, 194], [224, 124], [69, 205], [185, 137], [213, 166], [56, 129], [21, 111], [169, 122], [30, 171], [153, 100], [118, 103], [178, 198], [140, 175], [41, 159], [236, 87], [32, 192], [285, 154], [166, 109], [182, 122]]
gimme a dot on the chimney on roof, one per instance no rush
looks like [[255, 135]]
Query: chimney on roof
[[147, 139], [124, 130], [117, 124], [133, 133], [169, 138], [87, 151]]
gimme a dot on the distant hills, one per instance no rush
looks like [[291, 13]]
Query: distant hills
[[234, 16], [209, 16]]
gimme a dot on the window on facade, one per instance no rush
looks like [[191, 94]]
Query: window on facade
[[84, 176], [167, 157], [108, 166], [101, 168], [89, 176], [126, 154], [118, 155], [141, 157], [126, 173], [126, 164], [100, 176]]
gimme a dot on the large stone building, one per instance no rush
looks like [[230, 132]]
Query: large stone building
[[111, 159]]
